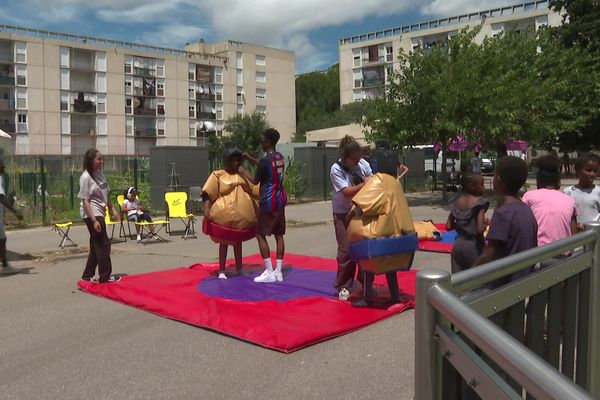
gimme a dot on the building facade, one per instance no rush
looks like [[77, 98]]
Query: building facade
[[366, 60], [61, 94]]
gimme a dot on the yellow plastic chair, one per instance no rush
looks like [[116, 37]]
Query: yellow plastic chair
[[120, 200], [63, 230], [177, 208], [108, 221]]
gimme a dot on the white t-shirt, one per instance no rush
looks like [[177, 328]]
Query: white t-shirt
[[132, 204], [341, 179], [96, 193], [587, 202]]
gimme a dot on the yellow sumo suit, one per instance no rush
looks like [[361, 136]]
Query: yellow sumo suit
[[380, 222], [232, 215]]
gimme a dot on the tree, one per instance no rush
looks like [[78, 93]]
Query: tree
[[317, 97], [245, 131]]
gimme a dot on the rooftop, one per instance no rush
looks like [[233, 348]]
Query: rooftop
[[475, 16]]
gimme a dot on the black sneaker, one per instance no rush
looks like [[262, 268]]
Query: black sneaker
[[92, 279]]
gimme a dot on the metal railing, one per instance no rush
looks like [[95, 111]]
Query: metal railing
[[538, 335]]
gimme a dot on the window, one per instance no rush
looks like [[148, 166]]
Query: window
[[261, 76], [22, 123], [389, 53], [261, 94], [239, 78], [21, 52], [238, 60], [219, 95], [192, 109], [219, 114], [160, 70], [21, 98], [260, 60], [240, 97], [128, 67], [128, 108], [160, 88], [128, 87], [191, 72], [357, 60], [21, 72], [64, 101], [261, 110], [240, 109], [218, 77], [101, 106], [160, 109]]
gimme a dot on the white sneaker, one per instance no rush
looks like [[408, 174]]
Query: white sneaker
[[343, 294], [266, 276], [278, 276], [222, 276], [139, 238]]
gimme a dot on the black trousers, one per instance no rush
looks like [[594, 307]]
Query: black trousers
[[99, 252]]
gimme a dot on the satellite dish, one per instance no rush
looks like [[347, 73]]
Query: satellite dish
[[200, 89], [136, 102]]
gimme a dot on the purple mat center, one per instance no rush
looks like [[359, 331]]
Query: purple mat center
[[297, 283]]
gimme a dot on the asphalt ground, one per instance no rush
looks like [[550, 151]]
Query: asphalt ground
[[57, 342]]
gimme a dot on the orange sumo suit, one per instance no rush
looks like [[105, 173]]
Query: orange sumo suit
[[232, 215], [381, 211]]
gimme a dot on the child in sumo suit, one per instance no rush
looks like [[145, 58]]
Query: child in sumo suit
[[380, 210], [229, 208]]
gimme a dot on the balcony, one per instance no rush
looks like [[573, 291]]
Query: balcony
[[7, 80], [79, 86], [144, 71], [8, 128], [373, 82], [84, 106], [7, 105], [6, 57], [83, 65], [145, 132], [206, 115], [83, 130], [205, 96], [142, 111]]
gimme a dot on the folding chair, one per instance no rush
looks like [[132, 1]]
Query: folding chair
[[158, 226], [120, 199], [108, 221], [176, 208], [63, 230]]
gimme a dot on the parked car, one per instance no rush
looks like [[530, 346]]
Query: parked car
[[487, 166]]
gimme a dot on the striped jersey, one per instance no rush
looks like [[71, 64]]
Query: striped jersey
[[270, 175]]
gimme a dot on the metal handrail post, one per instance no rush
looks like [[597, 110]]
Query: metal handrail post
[[428, 360], [594, 320]]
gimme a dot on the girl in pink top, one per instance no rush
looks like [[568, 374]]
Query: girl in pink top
[[554, 211]]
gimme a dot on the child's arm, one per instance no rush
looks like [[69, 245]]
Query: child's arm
[[206, 204], [9, 206], [250, 158], [404, 170], [450, 222], [489, 252], [574, 225], [481, 222]]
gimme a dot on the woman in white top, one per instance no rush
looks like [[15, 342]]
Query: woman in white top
[[347, 175], [93, 192]]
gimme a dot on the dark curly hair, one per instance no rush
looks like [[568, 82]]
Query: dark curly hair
[[548, 173], [513, 172], [272, 135], [583, 159]]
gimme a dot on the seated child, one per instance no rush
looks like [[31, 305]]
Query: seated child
[[380, 210], [135, 211], [467, 217], [513, 227], [229, 208]]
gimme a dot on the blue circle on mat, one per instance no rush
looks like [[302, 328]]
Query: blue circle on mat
[[297, 283]]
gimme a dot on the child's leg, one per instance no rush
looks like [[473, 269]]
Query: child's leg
[[392, 282], [263, 246], [146, 217], [222, 259], [280, 246], [237, 251], [3, 252]]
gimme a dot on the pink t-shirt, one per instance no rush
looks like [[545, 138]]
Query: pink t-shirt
[[553, 211]]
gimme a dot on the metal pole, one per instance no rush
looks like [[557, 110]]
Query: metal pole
[[43, 187], [594, 320], [135, 173], [428, 360], [324, 176], [71, 192]]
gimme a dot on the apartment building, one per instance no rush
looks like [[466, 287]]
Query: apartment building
[[366, 60], [61, 93]]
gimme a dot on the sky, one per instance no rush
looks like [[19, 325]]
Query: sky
[[310, 28]]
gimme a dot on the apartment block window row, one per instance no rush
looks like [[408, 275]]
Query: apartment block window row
[[13, 86], [144, 66]]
